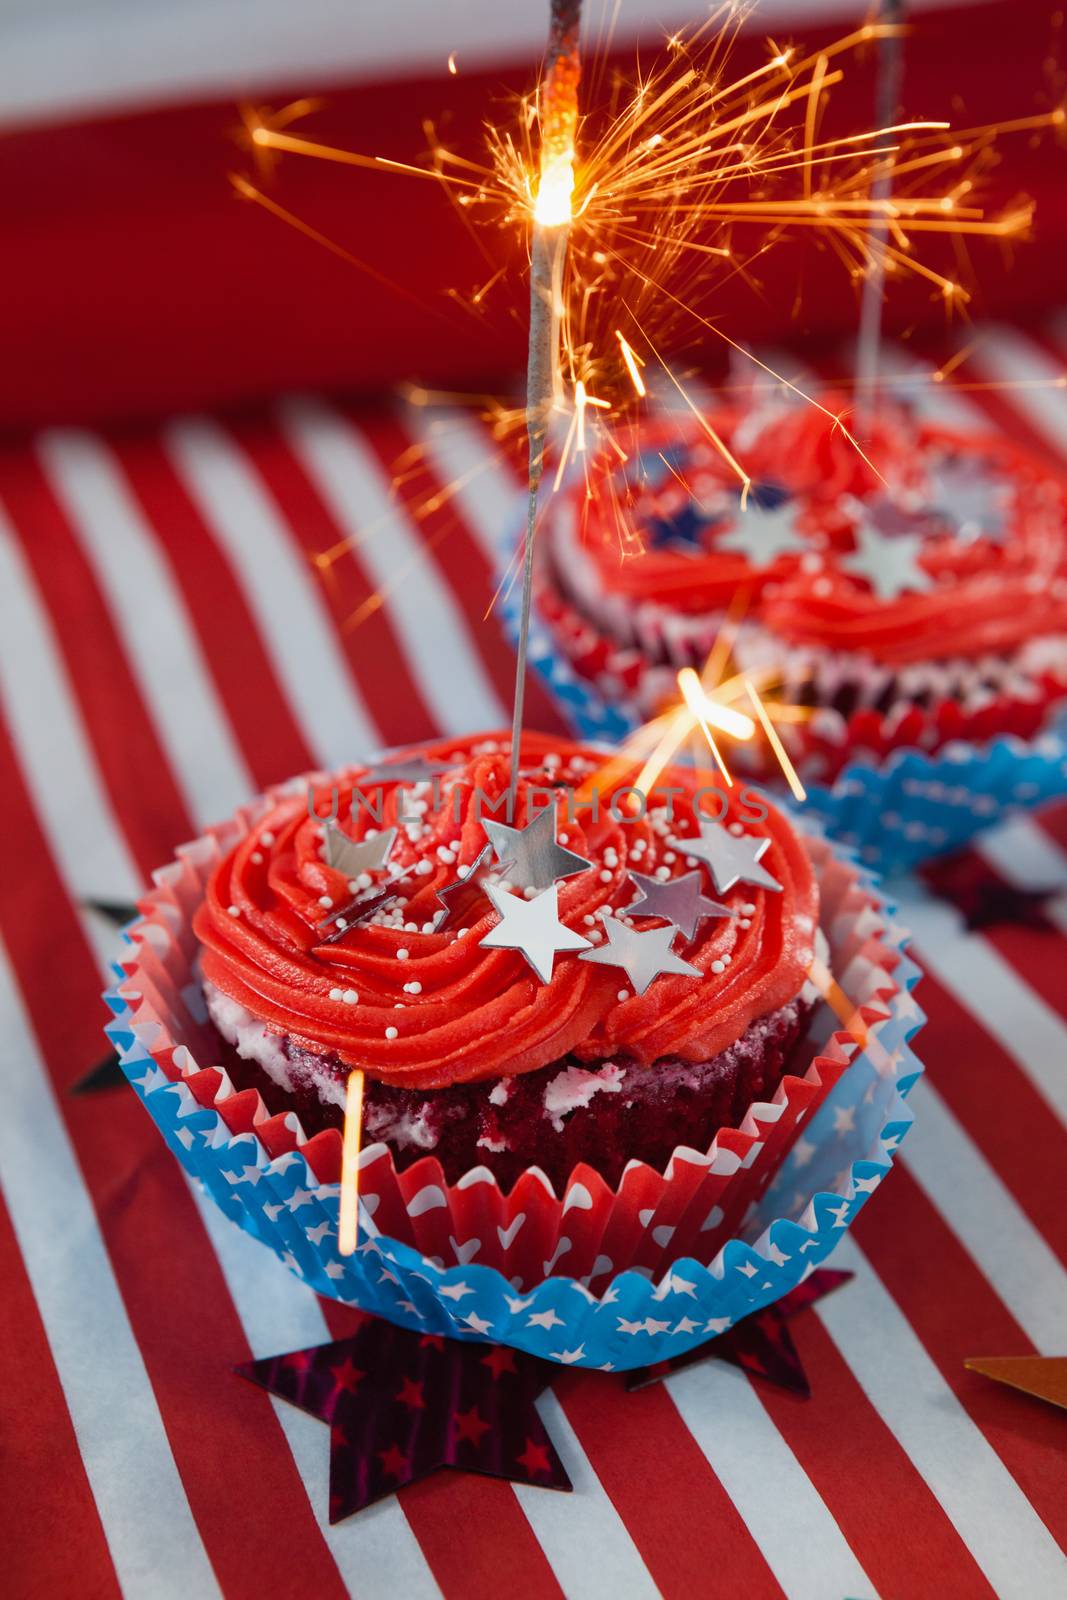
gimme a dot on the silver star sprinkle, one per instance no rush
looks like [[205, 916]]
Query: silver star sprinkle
[[763, 533], [458, 898], [970, 499], [353, 856], [532, 927], [730, 857], [535, 858], [642, 956], [890, 565], [405, 770], [677, 900]]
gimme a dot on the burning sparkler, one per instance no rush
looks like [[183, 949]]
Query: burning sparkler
[[551, 228]]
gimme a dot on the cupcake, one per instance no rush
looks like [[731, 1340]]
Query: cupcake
[[596, 982], [592, 1034], [905, 599]]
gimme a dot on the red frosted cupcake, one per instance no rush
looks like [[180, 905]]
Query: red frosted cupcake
[[592, 984], [922, 602]]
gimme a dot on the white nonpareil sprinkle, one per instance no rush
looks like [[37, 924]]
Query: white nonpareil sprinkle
[[717, 966], [670, 857], [257, 858], [325, 902], [234, 911], [445, 855], [611, 857], [663, 873], [748, 908], [735, 827], [350, 997], [423, 867], [266, 840], [623, 994], [605, 875], [589, 919], [411, 927], [427, 927], [744, 922], [413, 988], [335, 994], [402, 954], [390, 1033]]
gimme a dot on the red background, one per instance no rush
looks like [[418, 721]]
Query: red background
[[137, 283]]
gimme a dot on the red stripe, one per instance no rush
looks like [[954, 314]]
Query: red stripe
[[266, 729], [372, 650], [861, 1472], [978, 1080], [129, 756], [471, 1529], [688, 1531], [956, 1314], [459, 558], [227, 1444], [40, 1448]]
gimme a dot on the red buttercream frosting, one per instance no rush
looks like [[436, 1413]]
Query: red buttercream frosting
[[480, 1013], [987, 597]]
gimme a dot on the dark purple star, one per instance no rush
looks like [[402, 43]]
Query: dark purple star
[[400, 1405], [760, 1344]]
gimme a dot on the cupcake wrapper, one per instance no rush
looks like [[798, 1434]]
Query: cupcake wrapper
[[895, 813], [597, 1277]]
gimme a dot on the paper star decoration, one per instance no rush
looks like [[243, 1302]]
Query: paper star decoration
[[682, 530], [760, 1345], [731, 858], [889, 564], [532, 927], [353, 856], [970, 499], [677, 900], [400, 1406], [458, 898], [535, 858], [642, 956], [889, 517], [764, 528], [1045, 1377]]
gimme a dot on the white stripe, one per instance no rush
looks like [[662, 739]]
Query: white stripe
[[1006, 356], [376, 1552], [149, 613], [582, 1535], [283, 594], [432, 631], [987, 1220], [1023, 854], [980, 1497], [460, 451], [51, 742], [150, 1530], [987, 987], [779, 1504]]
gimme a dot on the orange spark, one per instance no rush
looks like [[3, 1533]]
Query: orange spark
[[348, 1226]]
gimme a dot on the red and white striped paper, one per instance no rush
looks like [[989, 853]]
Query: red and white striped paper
[[166, 649]]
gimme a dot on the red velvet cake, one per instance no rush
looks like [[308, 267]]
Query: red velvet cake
[[601, 980], [909, 595]]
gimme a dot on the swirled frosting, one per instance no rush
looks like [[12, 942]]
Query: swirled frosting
[[989, 583], [428, 1009]]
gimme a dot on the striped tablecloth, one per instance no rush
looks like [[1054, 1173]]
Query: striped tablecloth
[[166, 648]]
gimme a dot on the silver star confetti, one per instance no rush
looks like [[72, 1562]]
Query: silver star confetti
[[405, 770], [890, 565], [532, 927], [731, 858], [763, 533], [677, 900], [353, 856], [458, 898], [642, 956], [970, 499], [534, 857]]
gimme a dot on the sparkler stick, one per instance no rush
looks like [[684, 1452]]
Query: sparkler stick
[[348, 1224], [551, 225], [890, 72]]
